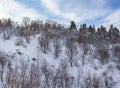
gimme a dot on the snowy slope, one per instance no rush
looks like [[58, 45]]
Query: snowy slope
[[92, 67]]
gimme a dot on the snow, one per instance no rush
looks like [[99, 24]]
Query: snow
[[92, 66]]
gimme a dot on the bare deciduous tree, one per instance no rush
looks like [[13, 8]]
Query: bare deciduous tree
[[104, 55], [57, 47], [116, 52], [71, 51], [44, 42], [3, 61]]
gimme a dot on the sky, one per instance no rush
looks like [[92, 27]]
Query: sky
[[91, 12]]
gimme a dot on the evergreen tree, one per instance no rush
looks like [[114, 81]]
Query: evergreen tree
[[73, 26]]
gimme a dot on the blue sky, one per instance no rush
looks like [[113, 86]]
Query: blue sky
[[97, 12]]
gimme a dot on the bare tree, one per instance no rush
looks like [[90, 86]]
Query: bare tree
[[7, 26], [47, 72], [116, 52], [57, 47], [44, 42], [104, 55], [3, 61], [85, 49], [34, 76], [71, 51], [26, 28]]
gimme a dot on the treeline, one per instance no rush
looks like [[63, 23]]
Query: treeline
[[84, 34]]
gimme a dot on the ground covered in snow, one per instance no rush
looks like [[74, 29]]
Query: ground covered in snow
[[58, 57]]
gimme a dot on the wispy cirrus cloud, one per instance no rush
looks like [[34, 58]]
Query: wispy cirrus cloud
[[77, 10], [112, 18]]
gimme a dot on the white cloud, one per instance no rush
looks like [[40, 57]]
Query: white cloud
[[112, 18], [77, 10], [16, 11]]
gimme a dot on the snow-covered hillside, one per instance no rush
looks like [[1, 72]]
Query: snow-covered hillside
[[57, 57]]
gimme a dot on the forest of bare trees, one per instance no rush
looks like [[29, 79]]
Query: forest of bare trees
[[75, 40]]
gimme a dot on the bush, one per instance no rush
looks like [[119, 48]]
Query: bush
[[104, 55]]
